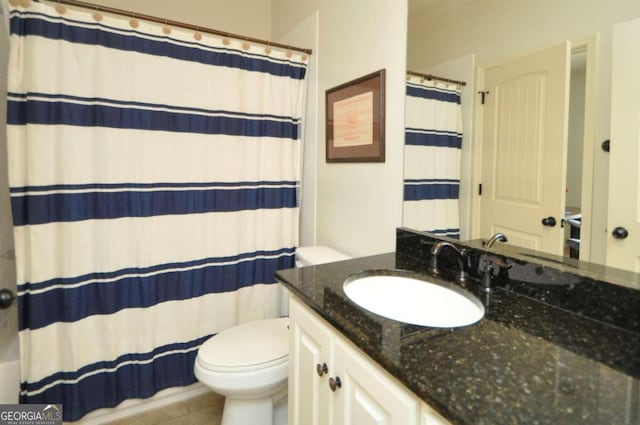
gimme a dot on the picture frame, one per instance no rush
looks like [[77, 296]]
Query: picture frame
[[355, 120]]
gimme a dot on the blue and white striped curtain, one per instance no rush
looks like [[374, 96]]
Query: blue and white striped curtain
[[153, 182], [433, 142]]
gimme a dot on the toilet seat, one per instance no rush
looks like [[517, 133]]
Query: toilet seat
[[256, 345]]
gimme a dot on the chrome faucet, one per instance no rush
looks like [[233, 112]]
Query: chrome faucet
[[498, 237], [435, 251]]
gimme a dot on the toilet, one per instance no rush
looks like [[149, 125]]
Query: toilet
[[248, 364]]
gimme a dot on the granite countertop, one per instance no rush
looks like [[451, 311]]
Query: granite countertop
[[528, 361]]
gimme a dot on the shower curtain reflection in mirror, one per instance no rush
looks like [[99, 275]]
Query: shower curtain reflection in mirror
[[433, 141]]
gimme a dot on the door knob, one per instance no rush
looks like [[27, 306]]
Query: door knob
[[620, 233], [549, 221]]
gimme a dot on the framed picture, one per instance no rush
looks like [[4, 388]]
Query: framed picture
[[355, 120]]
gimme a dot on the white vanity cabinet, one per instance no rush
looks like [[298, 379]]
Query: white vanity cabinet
[[332, 382], [310, 351], [431, 417]]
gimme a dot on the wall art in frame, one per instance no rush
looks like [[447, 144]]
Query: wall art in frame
[[355, 120]]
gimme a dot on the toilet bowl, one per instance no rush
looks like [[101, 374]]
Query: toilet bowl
[[248, 364]]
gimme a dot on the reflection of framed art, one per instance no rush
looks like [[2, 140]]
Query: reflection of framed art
[[355, 120]]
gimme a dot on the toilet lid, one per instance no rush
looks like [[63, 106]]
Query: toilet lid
[[253, 345]]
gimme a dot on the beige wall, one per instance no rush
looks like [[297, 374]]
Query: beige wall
[[242, 17], [496, 28], [358, 205]]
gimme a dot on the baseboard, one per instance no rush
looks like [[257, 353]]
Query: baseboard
[[136, 406]]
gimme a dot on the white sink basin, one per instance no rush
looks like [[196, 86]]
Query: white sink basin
[[407, 299]]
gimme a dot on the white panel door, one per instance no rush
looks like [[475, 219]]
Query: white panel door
[[524, 145], [624, 174]]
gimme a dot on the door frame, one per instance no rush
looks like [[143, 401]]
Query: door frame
[[590, 45]]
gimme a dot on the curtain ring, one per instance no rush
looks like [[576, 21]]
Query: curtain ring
[[133, 21], [97, 15], [267, 49], [197, 34], [245, 44], [226, 40], [289, 52], [60, 8], [14, 3], [166, 29]]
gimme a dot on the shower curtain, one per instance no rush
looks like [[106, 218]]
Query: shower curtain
[[433, 142], [153, 177]]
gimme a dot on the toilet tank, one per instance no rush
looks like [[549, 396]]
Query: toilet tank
[[314, 255], [310, 256]]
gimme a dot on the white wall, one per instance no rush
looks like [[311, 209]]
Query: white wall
[[242, 17], [305, 34], [359, 205], [493, 29]]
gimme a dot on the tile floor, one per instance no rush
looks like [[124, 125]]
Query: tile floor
[[202, 410]]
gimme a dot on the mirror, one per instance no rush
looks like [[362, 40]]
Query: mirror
[[454, 39]]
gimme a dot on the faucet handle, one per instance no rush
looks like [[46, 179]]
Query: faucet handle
[[488, 273], [487, 276], [462, 274]]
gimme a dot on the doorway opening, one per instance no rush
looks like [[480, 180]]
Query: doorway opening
[[575, 150]]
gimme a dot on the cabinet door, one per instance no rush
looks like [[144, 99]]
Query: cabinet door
[[310, 343], [430, 417], [368, 395]]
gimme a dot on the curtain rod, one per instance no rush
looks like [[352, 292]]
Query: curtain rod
[[105, 9], [433, 77]]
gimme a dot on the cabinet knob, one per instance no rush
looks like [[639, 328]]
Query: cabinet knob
[[321, 369], [334, 384]]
